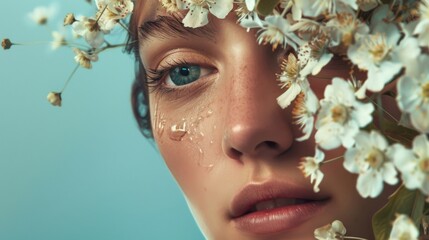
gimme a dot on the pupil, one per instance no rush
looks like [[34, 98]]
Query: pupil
[[184, 71]]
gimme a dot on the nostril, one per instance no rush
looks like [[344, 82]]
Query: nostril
[[271, 144], [234, 153]]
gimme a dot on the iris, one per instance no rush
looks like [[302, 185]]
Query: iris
[[185, 74]]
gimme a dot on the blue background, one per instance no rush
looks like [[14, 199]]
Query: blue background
[[82, 171]]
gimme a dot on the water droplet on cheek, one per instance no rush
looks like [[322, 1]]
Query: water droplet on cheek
[[178, 131]]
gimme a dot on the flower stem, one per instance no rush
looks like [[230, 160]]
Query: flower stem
[[101, 14], [381, 108], [125, 27], [332, 159], [356, 238], [70, 77]]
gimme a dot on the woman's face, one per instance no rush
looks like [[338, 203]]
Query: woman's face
[[227, 142]]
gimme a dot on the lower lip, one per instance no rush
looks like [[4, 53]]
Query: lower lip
[[278, 219]]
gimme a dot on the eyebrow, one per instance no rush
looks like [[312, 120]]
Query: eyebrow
[[169, 27]]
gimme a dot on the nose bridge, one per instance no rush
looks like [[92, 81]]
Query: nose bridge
[[255, 125]]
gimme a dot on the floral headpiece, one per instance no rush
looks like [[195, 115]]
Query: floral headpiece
[[386, 39]]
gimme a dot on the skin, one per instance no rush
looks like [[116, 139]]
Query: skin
[[234, 123]]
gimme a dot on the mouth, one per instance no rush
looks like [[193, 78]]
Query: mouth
[[274, 207]]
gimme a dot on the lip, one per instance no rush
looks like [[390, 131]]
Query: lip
[[276, 219]]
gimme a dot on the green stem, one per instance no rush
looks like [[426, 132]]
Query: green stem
[[332, 159]]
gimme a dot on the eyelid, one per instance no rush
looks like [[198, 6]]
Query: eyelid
[[205, 71]]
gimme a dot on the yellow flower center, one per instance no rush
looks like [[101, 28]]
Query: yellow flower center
[[375, 158], [424, 165], [425, 91], [339, 113], [378, 48]]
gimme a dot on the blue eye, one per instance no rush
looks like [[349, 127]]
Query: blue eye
[[185, 74]]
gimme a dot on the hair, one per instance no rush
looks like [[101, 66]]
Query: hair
[[139, 89]]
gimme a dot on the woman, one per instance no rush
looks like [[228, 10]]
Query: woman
[[212, 95]]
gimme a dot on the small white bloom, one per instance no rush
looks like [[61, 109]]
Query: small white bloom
[[314, 8], [343, 27], [341, 116], [54, 98], [304, 111], [333, 231], [422, 27], [90, 30], [413, 165], [367, 5], [310, 166], [277, 31], [197, 15], [85, 58], [373, 53], [368, 158], [41, 15], [413, 94], [295, 6], [59, 40], [293, 79], [111, 11], [403, 228]]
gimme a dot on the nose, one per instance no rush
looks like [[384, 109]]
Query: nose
[[256, 126]]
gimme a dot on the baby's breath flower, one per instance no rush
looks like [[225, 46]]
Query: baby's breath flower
[[368, 158], [84, 58], [403, 228], [6, 44], [197, 15], [69, 19], [54, 98], [333, 231], [59, 40], [340, 116], [413, 164], [310, 167], [41, 15]]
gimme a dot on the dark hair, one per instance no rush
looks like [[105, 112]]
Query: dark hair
[[139, 89]]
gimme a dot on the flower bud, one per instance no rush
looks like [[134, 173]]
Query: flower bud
[[69, 19], [6, 43], [54, 98]]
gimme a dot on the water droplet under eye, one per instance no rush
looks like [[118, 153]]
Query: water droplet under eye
[[178, 131]]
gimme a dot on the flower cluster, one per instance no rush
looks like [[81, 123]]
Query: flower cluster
[[93, 30], [386, 40]]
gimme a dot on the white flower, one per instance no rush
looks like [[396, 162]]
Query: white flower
[[368, 158], [90, 30], [373, 53], [54, 98], [197, 15], [320, 56], [367, 5], [310, 166], [314, 8], [41, 15], [112, 11], [403, 228], [59, 40], [247, 16], [303, 112], [295, 6], [277, 31], [333, 231], [292, 78], [343, 27], [340, 116], [422, 27], [413, 165], [85, 58], [413, 95]]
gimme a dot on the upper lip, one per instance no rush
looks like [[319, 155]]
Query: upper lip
[[255, 192]]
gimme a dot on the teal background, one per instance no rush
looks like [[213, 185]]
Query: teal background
[[82, 171]]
